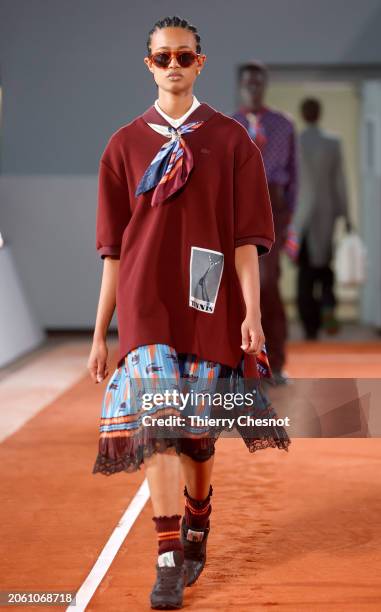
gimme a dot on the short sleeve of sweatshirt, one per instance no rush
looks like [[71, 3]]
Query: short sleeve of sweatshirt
[[252, 206], [113, 211]]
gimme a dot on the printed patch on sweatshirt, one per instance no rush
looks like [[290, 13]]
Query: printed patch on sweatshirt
[[206, 268]]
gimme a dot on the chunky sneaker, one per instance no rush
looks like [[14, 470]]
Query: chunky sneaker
[[194, 542], [167, 592]]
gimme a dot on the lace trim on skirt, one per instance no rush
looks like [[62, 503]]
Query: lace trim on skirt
[[126, 453]]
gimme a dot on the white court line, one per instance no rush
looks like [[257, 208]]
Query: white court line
[[99, 569]]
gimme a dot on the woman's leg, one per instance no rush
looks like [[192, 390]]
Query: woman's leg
[[197, 454], [163, 471], [151, 367], [163, 474], [195, 525], [197, 475], [198, 489]]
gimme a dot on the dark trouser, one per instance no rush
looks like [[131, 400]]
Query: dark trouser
[[274, 322], [311, 278]]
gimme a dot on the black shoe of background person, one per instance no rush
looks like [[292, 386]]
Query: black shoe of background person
[[279, 377], [168, 590], [311, 334], [194, 542]]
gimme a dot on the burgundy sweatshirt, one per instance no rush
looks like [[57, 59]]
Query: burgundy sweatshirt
[[177, 281]]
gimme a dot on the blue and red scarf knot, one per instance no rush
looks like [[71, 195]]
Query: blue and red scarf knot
[[170, 168]]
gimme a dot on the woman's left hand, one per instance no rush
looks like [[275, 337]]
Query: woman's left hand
[[253, 337]]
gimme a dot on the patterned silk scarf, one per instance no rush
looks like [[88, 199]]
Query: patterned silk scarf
[[170, 168]]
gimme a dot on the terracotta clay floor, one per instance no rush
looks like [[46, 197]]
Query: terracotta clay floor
[[292, 531]]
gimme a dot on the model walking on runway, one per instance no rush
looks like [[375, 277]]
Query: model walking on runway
[[183, 214]]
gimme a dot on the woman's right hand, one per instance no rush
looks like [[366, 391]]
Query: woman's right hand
[[97, 362]]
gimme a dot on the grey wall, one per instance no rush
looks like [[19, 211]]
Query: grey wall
[[72, 72], [49, 226], [19, 330]]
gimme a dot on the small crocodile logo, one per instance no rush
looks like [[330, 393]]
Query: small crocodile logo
[[135, 359], [191, 377], [173, 357], [152, 368]]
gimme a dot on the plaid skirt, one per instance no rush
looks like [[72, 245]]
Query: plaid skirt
[[160, 398]]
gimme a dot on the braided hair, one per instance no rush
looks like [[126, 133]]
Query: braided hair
[[174, 22]]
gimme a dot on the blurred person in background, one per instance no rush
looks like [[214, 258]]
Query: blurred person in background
[[275, 135], [322, 199]]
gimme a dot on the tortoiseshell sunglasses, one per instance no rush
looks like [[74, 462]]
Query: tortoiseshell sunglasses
[[185, 59]]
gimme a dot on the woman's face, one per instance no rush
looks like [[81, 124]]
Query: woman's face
[[174, 39]]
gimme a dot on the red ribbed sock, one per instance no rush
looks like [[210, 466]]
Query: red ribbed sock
[[168, 534], [197, 511]]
